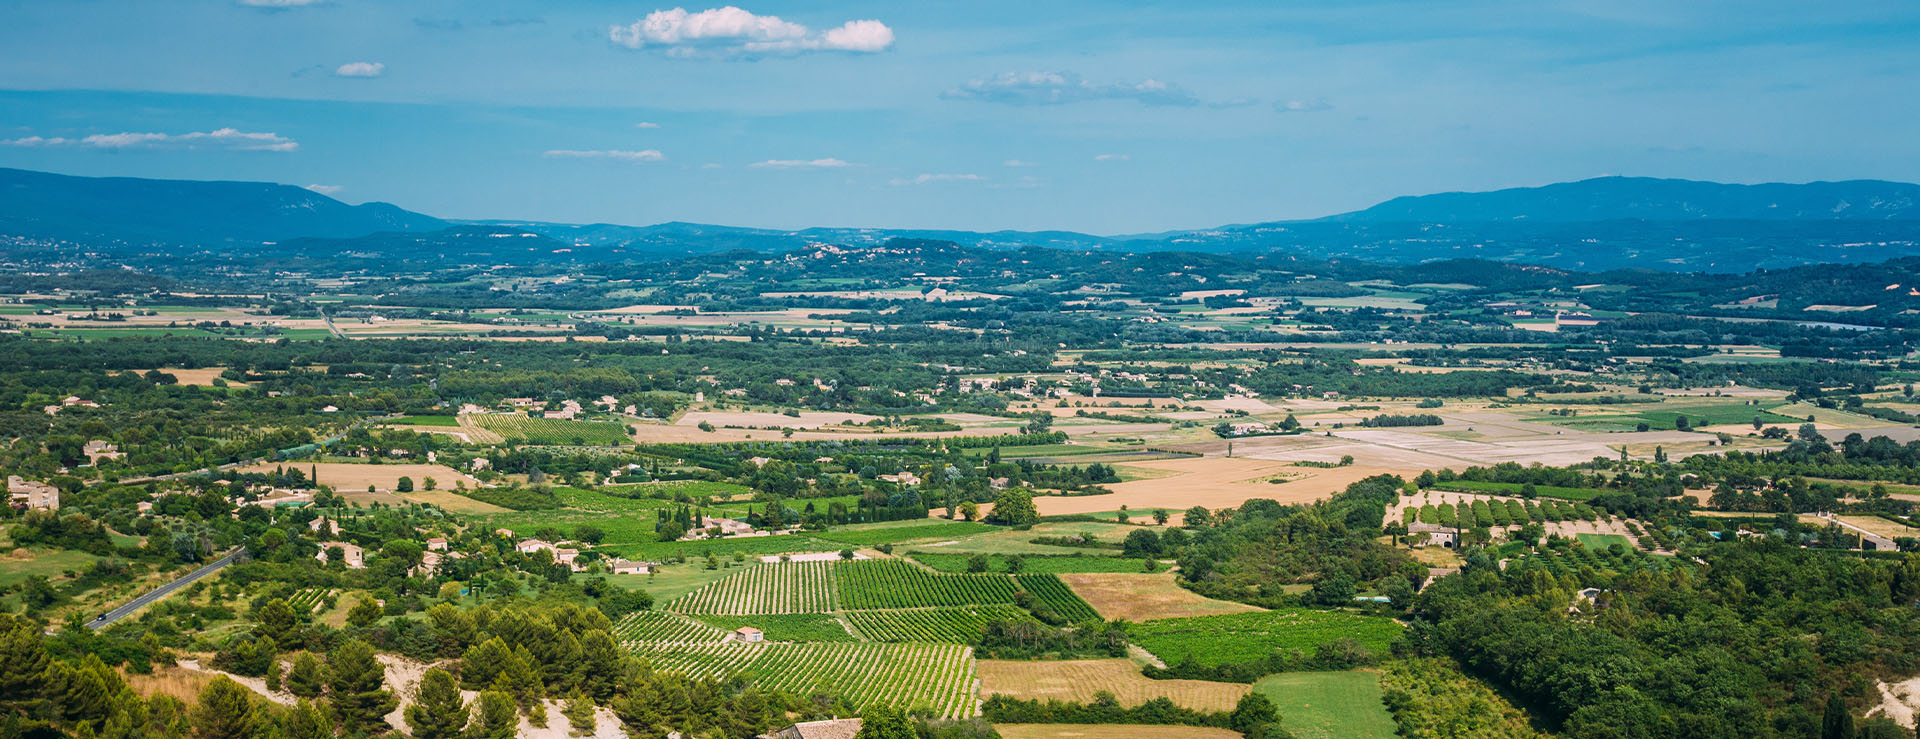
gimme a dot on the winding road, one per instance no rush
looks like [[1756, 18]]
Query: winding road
[[163, 591]]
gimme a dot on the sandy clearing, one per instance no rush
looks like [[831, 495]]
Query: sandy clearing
[[1078, 680], [1214, 482], [1139, 596], [1899, 701], [347, 476]]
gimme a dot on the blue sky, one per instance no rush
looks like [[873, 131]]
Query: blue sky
[[1105, 117]]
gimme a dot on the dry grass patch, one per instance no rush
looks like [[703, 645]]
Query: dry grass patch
[[1144, 597], [178, 682], [1110, 731], [347, 476], [1078, 680]]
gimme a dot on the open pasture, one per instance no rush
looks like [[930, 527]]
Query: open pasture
[[1330, 705]]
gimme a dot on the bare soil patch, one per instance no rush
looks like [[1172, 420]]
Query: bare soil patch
[[1144, 596]]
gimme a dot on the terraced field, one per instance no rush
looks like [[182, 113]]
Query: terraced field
[[938, 678]]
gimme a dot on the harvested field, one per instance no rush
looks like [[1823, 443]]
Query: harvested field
[[1110, 731], [347, 476], [748, 419], [203, 376], [1214, 482], [1879, 526], [450, 501], [1144, 597], [1078, 680]]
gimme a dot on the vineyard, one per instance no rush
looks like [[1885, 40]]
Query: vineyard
[[788, 627], [891, 583], [1245, 637], [657, 626], [766, 588], [524, 429], [949, 625], [1058, 597], [936, 677], [312, 600]]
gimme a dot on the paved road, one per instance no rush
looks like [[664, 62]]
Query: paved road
[[165, 590]]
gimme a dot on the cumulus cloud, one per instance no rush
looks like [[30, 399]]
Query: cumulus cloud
[[1056, 88], [1302, 106], [646, 124], [730, 31], [642, 155], [928, 178], [828, 163], [1111, 157], [326, 189], [1016, 163], [228, 139], [361, 69]]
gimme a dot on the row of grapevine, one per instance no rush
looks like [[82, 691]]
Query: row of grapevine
[[526, 429], [658, 626], [939, 625], [310, 600], [1057, 596], [765, 588], [936, 678], [892, 583]]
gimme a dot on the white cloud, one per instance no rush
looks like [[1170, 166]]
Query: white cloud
[[642, 155], [223, 138], [828, 163], [646, 124], [1055, 88], [927, 178], [1111, 157], [1016, 163], [730, 31], [361, 69], [1302, 106], [326, 189]]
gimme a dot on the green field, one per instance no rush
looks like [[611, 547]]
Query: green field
[[892, 583], [1513, 488], [1604, 541], [1332, 705], [1246, 637], [871, 535], [426, 421], [959, 625], [1042, 564], [937, 678]]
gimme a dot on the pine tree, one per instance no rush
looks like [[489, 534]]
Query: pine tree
[[522, 676], [483, 662], [600, 657], [355, 679], [579, 713], [365, 613], [275, 620], [225, 711], [23, 662], [306, 679], [437, 711], [499, 717], [304, 721]]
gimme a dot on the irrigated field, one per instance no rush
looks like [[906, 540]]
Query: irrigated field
[[936, 677], [766, 588], [1079, 680]]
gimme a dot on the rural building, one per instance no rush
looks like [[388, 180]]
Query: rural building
[[437, 544], [749, 634], [32, 494], [319, 525], [1436, 535], [630, 567], [354, 557], [97, 450], [838, 728]]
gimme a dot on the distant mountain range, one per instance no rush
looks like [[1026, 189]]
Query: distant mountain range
[[1601, 223]]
